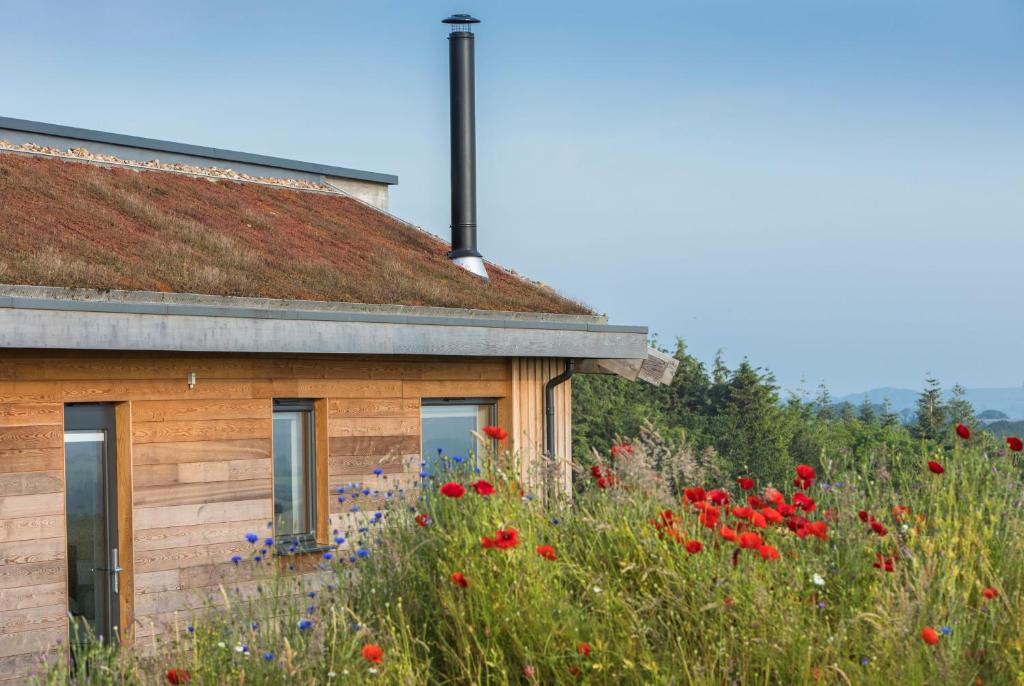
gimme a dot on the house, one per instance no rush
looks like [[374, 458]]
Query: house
[[197, 342]]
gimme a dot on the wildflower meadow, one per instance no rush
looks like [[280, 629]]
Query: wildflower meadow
[[894, 568]]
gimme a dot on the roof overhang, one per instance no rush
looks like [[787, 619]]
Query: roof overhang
[[84, 319]]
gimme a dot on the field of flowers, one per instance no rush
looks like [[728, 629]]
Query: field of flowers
[[899, 569]]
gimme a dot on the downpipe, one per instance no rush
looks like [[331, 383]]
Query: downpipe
[[549, 406]]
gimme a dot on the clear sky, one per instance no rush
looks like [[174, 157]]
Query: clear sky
[[832, 188]]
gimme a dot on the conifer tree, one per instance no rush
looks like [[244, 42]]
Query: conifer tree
[[932, 414], [866, 413]]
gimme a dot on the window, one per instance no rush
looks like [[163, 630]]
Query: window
[[294, 471], [448, 426]]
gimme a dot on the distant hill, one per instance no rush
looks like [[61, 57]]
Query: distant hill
[[1007, 401]]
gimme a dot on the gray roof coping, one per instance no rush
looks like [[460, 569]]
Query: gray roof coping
[[188, 304], [216, 154]]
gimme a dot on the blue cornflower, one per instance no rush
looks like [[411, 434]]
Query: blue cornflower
[[292, 548], [423, 475], [251, 537], [258, 558], [366, 491], [946, 630], [378, 471], [556, 521], [328, 556], [245, 650], [311, 609], [268, 541], [388, 494], [304, 624], [341, 498], [236, 558], [354, 508], [363, 552], [312, 594], [476, 470], [254, 626], [340, 540], [458, 459], [363, 529], [268, 657], [341, 489], [352, 559], [191, 629], [440, 451], [864, 661], [378, 515], [263, 552]]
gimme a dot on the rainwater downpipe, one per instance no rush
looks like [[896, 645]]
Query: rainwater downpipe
[[549, 406]]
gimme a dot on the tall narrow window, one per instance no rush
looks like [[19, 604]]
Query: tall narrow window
[[294, 471], [448, 426]]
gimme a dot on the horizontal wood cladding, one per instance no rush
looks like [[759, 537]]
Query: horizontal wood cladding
[[201, 470]]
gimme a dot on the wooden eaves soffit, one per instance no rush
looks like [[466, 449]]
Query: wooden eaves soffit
[[657, 368]]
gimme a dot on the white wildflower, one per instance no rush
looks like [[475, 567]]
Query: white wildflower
[[818, 580]]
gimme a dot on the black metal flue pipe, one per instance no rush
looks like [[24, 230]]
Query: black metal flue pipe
[[461, 71]]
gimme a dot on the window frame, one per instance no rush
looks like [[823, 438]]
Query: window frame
[[492, 403], [305, 540]]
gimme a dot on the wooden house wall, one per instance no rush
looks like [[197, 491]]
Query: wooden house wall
[[195, 464]]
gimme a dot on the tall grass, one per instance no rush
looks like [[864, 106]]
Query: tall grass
[[647, 611]]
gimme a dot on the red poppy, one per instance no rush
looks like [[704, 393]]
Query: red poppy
[[506, 538], [882, 562], [694, 495], [774, 495], [709, 517], [803, 502], [785, 509], [373, 653], [863, 516], [755, 502], [768, 552], [547, 552], [758, 520], [728, 534], [935, 467], [798, 525], [483, 487], [718, 497], [990, 593], [459, 579], [805, 471], [453, 490], [749, 539], [693, 547], [963, 432], [819, 529], [878, 527], [742, 512], [746, 483], [422, 519], [900, 512], [583, 649], [622, 448], [496, 432], [929, 635], [605, 481], [487, 542], [1016, 445], [595, 471], [178, 676], [772, 515]]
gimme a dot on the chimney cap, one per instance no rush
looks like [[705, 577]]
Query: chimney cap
[[460, 19]]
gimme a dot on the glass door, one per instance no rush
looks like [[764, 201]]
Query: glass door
[[91, 507]]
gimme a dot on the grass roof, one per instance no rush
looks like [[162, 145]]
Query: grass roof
[[74, 224]]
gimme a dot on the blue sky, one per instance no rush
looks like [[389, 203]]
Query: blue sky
[[834, 189]]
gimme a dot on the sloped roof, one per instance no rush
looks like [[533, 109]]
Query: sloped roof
[[83, 225]]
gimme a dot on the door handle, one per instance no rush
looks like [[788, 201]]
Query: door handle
[[114, 569]]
